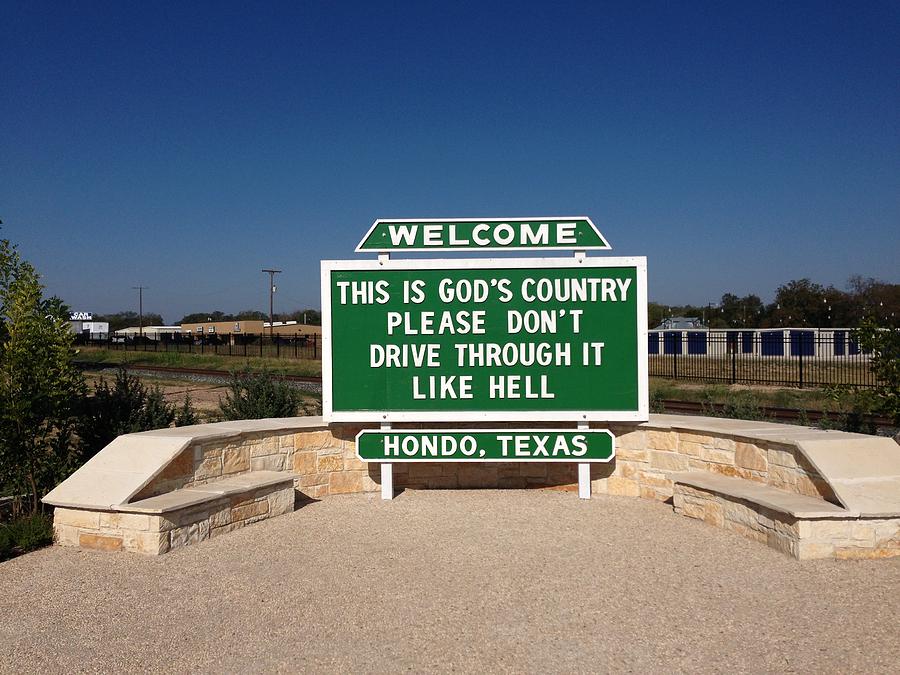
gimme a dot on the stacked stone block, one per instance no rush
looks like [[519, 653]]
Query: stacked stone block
[[645, 457], [155, 534], [323, 461], [802, 538]]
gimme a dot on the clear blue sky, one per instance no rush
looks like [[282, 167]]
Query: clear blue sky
[[184, 146]]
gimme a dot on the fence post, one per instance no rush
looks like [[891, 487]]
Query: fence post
[[674, 364], [733, 364], [801, 366]]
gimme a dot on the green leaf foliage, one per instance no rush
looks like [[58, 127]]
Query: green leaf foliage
[[39, 386], [125, 407], [24, 534], [259, 396], [186, 416], [883, 345]]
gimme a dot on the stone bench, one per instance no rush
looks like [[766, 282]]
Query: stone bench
[[801, 526], [158, 524], [856, 474]]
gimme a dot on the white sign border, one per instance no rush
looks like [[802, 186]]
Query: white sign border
[[642, 414], [476, 430], [476, 249]]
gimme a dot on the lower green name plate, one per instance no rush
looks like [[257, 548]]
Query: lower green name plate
[[486, 445]]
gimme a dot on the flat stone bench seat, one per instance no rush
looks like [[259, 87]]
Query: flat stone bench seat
[[788, 503], [171, 520], [165, 488], [801, 526], [204, 494]]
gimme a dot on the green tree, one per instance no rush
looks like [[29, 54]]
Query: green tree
[[203, 317], [251, 315], [884, 346], [39, 385], [121, 320], [310, 316]]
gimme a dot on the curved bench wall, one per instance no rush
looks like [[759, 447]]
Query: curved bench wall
[[323, 461]]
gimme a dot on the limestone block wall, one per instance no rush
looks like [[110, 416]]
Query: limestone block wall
[[157, 534], [325, 462], [801, 538], [644, 455]]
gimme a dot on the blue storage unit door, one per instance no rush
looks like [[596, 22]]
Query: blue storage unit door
[[772, 343], [747, 342], [696, 342], [653, 343], [802, 343], [672, 342], [839, 346], [853, 347]]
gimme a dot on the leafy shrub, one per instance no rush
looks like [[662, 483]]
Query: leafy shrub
[[6, 542], [849, 409], [739, 405], [257, 396], [25, 534], [126, 407], [39, 385], [186, 416], [884, 346]]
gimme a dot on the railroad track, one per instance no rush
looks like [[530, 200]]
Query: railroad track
[[175, 371], [771, 412], [670, 406]]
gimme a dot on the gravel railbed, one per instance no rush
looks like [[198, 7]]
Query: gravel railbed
[[224, 378], [453, 580]]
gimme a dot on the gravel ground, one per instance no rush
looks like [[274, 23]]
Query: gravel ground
[[457, 580]]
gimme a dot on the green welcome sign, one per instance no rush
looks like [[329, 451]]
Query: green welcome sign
[[543, 339], [495, 445], [473, 234]]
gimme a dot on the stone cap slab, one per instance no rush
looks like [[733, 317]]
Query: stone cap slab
[[117, 472], [798, 506], [124, 467], [862, 470], [202, 494], [864, 474]]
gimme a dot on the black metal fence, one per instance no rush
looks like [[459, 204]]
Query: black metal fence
[[789, 357], [278, 346]]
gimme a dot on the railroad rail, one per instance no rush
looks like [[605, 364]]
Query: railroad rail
[[174, 370], [669, 405], [770, 412]]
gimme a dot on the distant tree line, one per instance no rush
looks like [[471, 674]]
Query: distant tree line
[[121, 320], [797, 303], [800, 303], [310, 316]]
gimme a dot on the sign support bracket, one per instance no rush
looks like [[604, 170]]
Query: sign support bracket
[[387, 472], [584, 471]]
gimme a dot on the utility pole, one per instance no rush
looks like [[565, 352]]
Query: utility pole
[[272, 274], [140, 290]]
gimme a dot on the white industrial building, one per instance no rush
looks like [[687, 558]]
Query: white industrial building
[[83, 324], [764, 342]]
